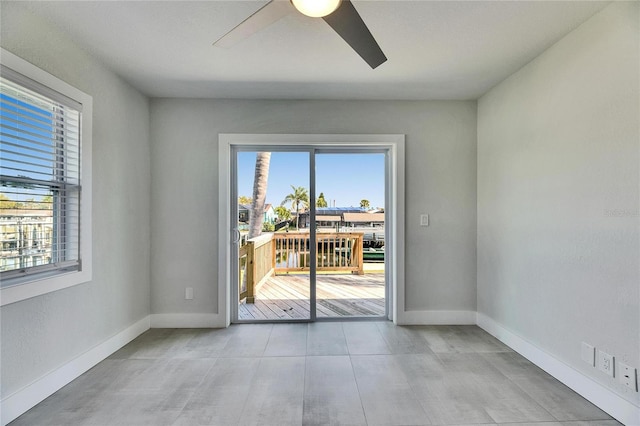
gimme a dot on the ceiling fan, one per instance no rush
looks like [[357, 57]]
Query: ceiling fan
[[341, 15]]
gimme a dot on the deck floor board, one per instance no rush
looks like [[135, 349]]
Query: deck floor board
[[343, 295]]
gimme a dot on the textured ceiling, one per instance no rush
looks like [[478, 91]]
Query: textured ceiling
[[436, 49]]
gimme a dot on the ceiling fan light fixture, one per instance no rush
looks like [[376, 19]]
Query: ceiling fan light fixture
[[316, 8]]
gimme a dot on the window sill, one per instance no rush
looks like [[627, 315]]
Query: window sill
[[43, 285]]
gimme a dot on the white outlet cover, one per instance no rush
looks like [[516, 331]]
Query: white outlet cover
[[627, 376], [424, 220], [588, 354], [605, 363]]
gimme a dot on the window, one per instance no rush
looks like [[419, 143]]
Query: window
[[44, 187]]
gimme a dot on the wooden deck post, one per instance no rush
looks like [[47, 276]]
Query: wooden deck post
[[359, 253], [273, 254], [251, 272]]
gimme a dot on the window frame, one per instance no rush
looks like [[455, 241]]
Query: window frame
[[28, 286]]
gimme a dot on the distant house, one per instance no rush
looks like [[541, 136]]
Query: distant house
[[269, 215], [330, 217], [243, 213], [363, 219], [27, 237]]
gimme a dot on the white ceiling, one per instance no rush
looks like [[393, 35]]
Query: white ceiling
[[436, 49]]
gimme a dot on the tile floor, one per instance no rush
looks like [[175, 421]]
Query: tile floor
[[331, 373]]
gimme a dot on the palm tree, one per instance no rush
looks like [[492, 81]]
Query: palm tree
[[283, 213], [6, 202], [256, 213], [364, 204], [243, 199], [321, 202], [299, 195]]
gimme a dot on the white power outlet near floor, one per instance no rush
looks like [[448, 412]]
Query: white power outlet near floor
[[188, 293], [605, 363], [627, 375]]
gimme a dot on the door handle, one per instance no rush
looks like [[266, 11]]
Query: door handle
[[237, 234]]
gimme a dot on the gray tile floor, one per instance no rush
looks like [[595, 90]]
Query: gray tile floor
[[351, 373]]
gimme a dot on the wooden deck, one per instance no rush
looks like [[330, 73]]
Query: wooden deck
[[345, 295]]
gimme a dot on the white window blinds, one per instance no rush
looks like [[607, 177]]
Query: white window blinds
[[40, 189]]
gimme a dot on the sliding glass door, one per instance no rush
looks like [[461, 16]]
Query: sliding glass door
[[273, 250], [309, 233], [350, 224]]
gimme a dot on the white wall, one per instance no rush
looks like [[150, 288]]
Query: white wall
[[558, 203], [440, 180], [43, 333]]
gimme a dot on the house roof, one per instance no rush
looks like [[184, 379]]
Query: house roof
[[364, 217], [329, 218], [339, 210]]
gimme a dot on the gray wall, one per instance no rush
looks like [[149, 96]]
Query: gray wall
[[42, 333], [440, 180], [558, 221]]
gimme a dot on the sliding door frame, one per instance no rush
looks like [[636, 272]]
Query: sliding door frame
[[233, 260], [351, 150], [392, 145]]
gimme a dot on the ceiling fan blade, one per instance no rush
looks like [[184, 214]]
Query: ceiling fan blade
[[262, 18], [346, 21]]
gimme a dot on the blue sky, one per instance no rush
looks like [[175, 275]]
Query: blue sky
[[343, 178], [26, 130]]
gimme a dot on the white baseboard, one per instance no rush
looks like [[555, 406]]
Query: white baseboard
[[187, 321], [607, 400], [437, 318], [19, 402]]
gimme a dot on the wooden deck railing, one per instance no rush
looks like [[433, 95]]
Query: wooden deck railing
[[255, 265], [278, 253]]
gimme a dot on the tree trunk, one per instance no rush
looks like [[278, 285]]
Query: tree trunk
[[256, 214]]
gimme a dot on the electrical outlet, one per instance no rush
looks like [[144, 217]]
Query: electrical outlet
[[424, 220], [627, 376], [605, 363], [188, 293], [588, 354]]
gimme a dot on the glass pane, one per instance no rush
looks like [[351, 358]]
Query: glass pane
[[273, 255], [350, 224]]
